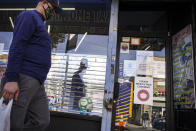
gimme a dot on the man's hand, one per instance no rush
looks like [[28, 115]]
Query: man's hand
[[10, 89]]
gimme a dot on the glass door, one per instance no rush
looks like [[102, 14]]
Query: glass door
[[141, 100]]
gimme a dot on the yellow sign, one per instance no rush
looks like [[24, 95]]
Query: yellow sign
[[131, 101]]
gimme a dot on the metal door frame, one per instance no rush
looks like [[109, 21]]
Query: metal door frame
[[110, 68]]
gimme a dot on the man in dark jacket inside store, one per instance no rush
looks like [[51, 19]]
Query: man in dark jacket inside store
[[77, 85], [145, 118], [29, 62]]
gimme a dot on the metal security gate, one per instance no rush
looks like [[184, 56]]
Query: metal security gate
[[60, 81]]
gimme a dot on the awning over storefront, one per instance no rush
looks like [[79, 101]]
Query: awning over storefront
[[80, 16], [63, 3]]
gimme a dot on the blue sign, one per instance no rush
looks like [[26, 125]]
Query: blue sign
[[61, 1]]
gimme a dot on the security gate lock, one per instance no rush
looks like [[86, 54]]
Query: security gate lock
[[107, 103]]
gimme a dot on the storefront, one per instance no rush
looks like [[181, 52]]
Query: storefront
[[139, 56], [155, 68]]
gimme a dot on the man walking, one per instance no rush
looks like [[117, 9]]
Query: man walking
[[29, 62], [145, 118]]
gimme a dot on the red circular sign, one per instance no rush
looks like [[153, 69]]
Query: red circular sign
[[143, 92]]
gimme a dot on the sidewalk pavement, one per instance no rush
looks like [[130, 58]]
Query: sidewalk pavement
[[132, 127]]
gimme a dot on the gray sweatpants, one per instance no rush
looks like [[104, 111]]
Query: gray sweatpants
[[30, 112]]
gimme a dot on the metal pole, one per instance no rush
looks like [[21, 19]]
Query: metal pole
[[110, 69]]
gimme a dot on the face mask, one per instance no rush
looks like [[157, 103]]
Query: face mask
[[48, 12]]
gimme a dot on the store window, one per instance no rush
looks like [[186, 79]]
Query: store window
[[76, 81], [78, 73]]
